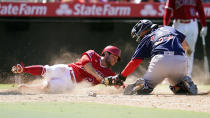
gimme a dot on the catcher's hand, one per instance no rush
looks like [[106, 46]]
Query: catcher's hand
[[17, 69], [112, 80]]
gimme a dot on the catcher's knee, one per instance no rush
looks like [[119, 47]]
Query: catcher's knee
[[186, 86]]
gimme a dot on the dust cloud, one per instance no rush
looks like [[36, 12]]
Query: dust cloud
[[64, 57], [198, 74], [85, 87]]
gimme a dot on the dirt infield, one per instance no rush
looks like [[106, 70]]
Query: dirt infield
[[160, 98]]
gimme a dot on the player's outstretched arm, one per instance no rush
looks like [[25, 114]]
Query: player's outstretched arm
[[89, 68], [33, 70]]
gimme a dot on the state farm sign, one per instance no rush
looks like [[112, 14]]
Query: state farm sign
[[76, 9], [150, 10], [22, 9], [79, 9]]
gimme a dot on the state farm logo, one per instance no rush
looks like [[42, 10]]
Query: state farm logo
[[64, 10], [148, 10], [22, 9], [79, 9]]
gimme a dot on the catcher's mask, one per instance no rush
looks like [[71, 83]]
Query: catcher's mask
[[113, 50], [139, 28]]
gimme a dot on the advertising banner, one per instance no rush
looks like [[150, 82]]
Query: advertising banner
[[76, 9]]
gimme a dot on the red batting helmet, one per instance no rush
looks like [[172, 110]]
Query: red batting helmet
[[113, 50]]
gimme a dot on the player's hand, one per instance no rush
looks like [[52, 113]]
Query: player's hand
[[17, 69], [112, 80], [203, 31]]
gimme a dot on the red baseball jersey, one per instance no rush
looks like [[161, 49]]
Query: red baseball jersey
[[184, 9], [95, 60]]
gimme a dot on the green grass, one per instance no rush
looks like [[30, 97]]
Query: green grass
[[7, 86], [89, 110]]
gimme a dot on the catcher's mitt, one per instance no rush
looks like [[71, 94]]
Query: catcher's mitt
[[112, 80]]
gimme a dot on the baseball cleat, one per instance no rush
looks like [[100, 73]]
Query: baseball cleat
[[186, 86], [191, 87], [133, 88]]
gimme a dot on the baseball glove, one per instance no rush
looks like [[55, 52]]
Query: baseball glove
[[112, 80], [17, 68]]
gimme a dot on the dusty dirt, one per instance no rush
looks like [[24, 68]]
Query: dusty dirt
[[160, 98]]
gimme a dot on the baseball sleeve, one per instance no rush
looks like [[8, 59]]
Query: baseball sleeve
[[168, 11], [200, 10], [131, 67], [87, 57]]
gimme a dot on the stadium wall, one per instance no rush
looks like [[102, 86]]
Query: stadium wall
[[37, 40]]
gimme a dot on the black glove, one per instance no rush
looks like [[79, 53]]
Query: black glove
[[114, 80], [121, 77]]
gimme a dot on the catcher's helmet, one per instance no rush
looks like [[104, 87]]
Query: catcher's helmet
[[113, 50], [141, 26]]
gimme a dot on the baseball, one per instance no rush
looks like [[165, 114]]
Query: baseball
[[93, 94]]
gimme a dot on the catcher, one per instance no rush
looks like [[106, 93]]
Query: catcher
[[60, 77], [166, 47]]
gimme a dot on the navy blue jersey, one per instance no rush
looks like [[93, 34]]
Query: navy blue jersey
[[158, 41]]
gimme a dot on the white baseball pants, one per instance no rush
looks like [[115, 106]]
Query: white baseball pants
[[59, 78], [190, 30]]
